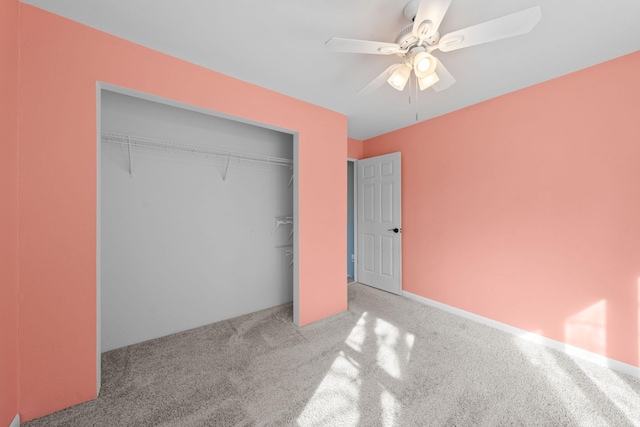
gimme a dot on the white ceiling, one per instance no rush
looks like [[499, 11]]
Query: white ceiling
[[279, 44]]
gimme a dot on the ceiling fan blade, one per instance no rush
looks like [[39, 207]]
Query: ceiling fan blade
[[507, 26], [446, 79], [378, 81], [432, 10], [361, 46]]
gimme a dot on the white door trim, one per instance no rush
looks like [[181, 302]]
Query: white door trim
[[355, 217]]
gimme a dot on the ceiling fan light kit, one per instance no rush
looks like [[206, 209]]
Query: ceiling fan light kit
[[424, 68], [416, 41]]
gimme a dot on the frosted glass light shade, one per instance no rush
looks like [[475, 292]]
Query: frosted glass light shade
[[424, 64], [428, 81], [399, 78]]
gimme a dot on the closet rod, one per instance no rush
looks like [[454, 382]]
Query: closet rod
[[141, 141]]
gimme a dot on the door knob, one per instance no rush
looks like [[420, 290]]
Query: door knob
[[395, 230]]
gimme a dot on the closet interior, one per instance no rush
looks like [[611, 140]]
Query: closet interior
[[196, 219]]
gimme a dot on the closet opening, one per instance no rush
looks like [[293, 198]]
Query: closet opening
[[196, 218]]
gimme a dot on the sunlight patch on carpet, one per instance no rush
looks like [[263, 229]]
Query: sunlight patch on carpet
[[387, 337], [335, 401], [567, 391], [356, 337], [343, 391], [622, 395], [390, 408]]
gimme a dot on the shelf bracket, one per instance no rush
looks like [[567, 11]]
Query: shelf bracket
[[288, 251], [282, 220]]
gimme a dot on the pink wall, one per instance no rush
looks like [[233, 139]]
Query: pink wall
[[354, 149], [60, 64], [526, 208], [8, 211]]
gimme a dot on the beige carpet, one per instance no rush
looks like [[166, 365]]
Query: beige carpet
[[387, 361]]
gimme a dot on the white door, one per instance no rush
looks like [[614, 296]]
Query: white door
[[379, 225]]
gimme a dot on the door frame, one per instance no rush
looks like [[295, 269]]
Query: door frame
[[355, 217]]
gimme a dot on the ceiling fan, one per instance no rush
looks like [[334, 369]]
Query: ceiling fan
[[417, 41]]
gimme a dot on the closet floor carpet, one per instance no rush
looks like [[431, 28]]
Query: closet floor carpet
[[386, 361]]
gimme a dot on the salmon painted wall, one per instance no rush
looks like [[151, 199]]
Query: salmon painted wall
[[60, 63], [354, 149], [526, 208], [8, 211]]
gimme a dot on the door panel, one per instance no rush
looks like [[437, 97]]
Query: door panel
[[368, 243], [379, 198], [369, 201], [386, 247], [386, 192]]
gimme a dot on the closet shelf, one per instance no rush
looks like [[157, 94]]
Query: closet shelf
[[141, 141]]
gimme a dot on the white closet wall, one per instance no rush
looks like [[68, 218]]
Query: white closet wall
[[180, 247]]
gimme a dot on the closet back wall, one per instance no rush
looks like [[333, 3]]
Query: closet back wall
[[181, 247]]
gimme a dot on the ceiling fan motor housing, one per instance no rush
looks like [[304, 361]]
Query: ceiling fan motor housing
[[406, 40]]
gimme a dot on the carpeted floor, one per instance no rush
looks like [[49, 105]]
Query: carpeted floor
[[387, 361]]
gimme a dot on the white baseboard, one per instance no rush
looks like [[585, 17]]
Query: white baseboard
[[16, 421], [539, 339]]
